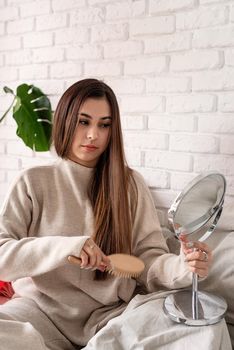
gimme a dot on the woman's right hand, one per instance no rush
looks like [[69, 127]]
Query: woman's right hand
[[92, 256], [197, 255]]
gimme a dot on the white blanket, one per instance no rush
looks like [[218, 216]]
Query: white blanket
[[143, 325]]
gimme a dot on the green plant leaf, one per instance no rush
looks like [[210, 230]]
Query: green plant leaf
[[32, 113]]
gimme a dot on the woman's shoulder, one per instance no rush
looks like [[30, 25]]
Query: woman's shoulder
[[45, 169], [35, 174], [31, 180], [139, 179], [143, 190]]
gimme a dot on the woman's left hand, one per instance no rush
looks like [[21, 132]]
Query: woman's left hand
[[198, 256]]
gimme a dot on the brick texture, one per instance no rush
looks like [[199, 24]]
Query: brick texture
[[170, 62]]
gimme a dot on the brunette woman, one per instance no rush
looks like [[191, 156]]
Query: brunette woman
[[89, 204]]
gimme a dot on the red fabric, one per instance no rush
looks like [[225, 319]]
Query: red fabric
[[2, 284], [6, 289]]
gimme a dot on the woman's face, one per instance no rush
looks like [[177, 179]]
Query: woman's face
[[92, 134]]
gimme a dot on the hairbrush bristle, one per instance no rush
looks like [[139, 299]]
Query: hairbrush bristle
[[123, 274], [125, 266]]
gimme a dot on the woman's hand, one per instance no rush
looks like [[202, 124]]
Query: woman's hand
[[198, 256], [92, 257]]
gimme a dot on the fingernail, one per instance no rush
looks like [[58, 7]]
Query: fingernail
[[189, 244]]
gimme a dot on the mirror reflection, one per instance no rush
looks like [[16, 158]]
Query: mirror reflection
[[198, 203]]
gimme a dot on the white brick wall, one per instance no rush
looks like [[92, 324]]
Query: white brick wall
[[170, 62]]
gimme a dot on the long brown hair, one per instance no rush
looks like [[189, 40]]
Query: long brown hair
[[112, 184]]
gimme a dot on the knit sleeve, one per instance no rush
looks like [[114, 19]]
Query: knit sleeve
[[21, 254], [162, 269]]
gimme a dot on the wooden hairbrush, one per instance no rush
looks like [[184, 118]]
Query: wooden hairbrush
[[121, 265]]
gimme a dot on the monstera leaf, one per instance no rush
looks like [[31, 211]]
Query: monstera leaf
[[32, 113]]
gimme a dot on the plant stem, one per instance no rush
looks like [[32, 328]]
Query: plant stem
[[8, 110]]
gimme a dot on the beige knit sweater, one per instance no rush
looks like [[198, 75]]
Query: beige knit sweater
[[47, 217]]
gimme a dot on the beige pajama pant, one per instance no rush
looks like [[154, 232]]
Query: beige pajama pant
[[23, 326]]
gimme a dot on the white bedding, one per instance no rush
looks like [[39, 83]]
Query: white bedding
[[143, 325]]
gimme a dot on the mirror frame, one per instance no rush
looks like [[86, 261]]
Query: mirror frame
[[193, 307], [214, 212]]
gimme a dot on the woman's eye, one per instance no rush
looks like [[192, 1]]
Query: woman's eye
[[83, 122], [105, 125]]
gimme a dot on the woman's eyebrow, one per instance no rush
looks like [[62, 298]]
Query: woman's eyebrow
[[90, 117]]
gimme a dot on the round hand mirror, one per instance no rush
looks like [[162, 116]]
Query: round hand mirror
[[200, 201], [196, 210]]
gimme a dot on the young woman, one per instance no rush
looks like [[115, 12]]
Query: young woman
[[88, 204]]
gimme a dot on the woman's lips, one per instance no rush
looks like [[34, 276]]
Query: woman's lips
[[89, 148]]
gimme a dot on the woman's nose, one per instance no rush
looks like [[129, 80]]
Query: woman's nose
[[92, 134]]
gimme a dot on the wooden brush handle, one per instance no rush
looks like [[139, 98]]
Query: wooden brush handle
[[74, 260]]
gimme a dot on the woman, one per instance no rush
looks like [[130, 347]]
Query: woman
[[88, 204]]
